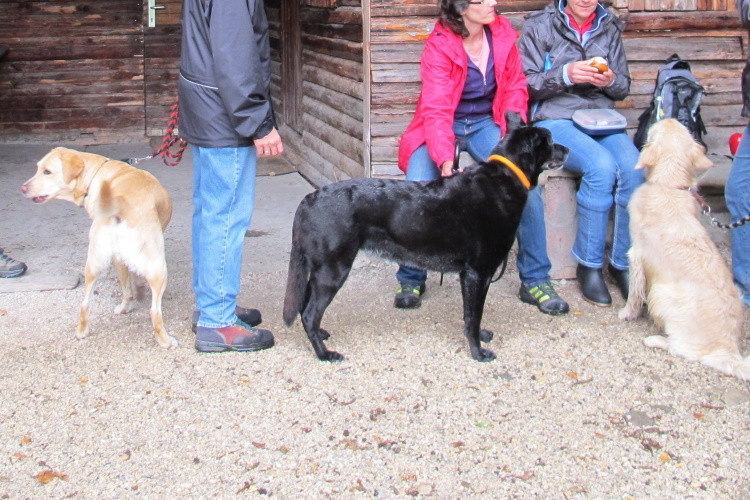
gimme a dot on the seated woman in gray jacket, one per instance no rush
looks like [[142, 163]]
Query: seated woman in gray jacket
[[556, 45]]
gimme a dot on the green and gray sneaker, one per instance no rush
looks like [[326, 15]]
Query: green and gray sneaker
[[9, 267], [409, 296], [544, 297]]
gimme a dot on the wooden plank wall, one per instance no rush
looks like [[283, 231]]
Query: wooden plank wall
[[74, 70], [328, 145], [711, 40], [161, 65]]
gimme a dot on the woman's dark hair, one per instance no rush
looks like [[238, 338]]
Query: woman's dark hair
[[450, 16]]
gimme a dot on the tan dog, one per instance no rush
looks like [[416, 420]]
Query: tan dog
[[674, 265], [129, 209]]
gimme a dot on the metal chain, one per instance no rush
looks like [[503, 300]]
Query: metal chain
[[714, 221]]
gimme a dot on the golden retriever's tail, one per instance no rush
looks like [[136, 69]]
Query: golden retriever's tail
[[296, 284], [729, 363]]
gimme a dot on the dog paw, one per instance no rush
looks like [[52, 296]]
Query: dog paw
[[485, 355], [168, 343], [625, 314], [657, 341], [486, 335], [124, 307], [82, 332], [332, 356]]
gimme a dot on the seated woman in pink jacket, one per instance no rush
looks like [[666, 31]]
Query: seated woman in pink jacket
[[472, 81]]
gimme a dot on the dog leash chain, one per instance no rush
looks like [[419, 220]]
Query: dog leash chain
[[169, 140], [714, 221]]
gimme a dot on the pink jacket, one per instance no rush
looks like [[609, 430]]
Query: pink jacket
[[444, 67]]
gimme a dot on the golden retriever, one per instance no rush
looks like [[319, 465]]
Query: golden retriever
[[130, 210], [674, 265]]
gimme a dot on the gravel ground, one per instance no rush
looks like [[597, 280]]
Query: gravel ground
[[573, 407]]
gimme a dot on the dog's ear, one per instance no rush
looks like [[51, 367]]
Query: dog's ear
[[72, 165], [698, 155], [649, 156]]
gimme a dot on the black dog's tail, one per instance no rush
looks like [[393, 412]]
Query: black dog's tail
[[296, 284]]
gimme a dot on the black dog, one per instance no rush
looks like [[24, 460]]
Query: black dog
[[465, 223]]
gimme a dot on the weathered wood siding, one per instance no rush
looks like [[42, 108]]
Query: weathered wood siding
[[711, 39], [161, 56], [326, 138], [73, 69]]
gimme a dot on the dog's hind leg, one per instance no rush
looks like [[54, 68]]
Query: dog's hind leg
[[128, 288], [325, 282], [158, 283], [474, 291]]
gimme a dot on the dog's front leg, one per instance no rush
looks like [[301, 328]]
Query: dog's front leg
[[474, 291], [637, 293]]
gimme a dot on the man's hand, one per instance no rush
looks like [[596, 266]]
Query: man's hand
[[582, 72], [269, 145]]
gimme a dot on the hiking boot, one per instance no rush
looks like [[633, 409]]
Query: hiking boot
[[250, 316], [9, 267], [237, 337], [544, 297], [409, 296]]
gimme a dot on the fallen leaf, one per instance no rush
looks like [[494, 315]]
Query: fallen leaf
[[25, 440], [698, 415], [573, 375], [259, 445], [125, 455], [664, 457], [20, 456], [46, 476], [3, 312], [83, 380]]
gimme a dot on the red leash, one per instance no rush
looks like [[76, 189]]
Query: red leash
[[165, 151], [170, 139]]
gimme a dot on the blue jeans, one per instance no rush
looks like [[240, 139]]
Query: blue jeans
[[737, 194], [479, 137], [223, 196], [607, 166]]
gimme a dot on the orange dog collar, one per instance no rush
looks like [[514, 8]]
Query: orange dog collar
[[513, 167]]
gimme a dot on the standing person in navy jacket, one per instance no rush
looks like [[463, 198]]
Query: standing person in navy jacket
[[226, 116], [472, 81]]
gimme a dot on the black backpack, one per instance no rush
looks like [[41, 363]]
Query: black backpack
[[677, 94]]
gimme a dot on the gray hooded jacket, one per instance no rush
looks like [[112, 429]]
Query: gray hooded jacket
[[225, 73], [548, 43]]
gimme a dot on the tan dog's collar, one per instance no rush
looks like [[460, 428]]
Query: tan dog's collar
[[88, 186], [513, 167]]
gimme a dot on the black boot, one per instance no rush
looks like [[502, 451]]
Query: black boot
[[592, 285], [621, 278]]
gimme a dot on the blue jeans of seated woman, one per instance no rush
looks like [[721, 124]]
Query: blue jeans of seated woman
[[479, 137], [607, 166], [223, 196], [737, 194]]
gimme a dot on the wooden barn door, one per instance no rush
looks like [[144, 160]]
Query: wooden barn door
[[161, 61]]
